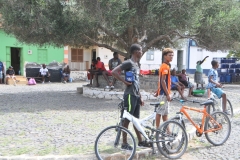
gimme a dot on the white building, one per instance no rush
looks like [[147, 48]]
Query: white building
[[191, 54]]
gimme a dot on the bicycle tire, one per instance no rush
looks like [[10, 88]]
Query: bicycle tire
[[177, 119], [220, 118], [178, 146], [229, 108], [104, 145]]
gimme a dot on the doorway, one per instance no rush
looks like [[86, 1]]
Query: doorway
[[94, 54], [15, 59]]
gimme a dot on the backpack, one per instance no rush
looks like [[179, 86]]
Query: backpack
[[32, 81]]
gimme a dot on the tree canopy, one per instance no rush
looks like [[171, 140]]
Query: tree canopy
[[116, 24]]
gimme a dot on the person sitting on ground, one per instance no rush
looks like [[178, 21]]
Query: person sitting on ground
[[113, 63], [183, 79], [1, 71], [215, 86], [10, 74], [198, 74], [43, 72], [66, 74], [176, 84]]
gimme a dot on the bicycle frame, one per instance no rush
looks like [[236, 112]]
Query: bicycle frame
[[138, 123], [205, 115]]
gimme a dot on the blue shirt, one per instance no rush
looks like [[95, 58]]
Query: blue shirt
[[1, 66], [212, 72], [174, 79]]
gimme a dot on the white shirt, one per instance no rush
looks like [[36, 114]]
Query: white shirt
[[43, 71]]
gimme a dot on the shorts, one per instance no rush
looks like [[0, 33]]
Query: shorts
[[9, 76], [174, 88], [163, 109], [1, 75], [218, 91], [99, 72], [44, 75], [133, 104], [66, 75]]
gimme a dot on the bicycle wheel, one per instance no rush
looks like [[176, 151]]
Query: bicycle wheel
[[220, 136], [229, 109], [173, 139], [110, 141], [177, 119]]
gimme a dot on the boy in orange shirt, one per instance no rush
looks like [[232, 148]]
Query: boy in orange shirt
[[164, 85]]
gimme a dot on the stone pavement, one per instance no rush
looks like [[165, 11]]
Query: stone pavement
[[47, 121]]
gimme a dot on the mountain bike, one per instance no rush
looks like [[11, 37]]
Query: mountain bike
[[218, 102], [216, 126], [171, 138]]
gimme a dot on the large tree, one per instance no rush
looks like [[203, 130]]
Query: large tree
[[116, 24]]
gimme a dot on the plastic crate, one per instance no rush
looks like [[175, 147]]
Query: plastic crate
[[198, 92]]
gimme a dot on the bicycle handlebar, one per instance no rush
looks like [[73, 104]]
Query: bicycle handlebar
[[181, 100]]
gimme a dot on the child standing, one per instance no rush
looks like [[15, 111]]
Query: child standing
[[164, 85]]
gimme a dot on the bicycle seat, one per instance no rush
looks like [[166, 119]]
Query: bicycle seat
[[208, 102], [157, 103]]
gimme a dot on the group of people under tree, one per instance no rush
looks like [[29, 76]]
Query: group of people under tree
[[132, 96], [97, 68]]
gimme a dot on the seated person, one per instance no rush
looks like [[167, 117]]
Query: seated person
[[10, 74], [102, 71], [66, 74], [113, 63], [176, 85], [92, 71], [183, 79], [215, 87], [43, 72]]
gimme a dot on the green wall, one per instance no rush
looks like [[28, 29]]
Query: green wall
[[39, 54]]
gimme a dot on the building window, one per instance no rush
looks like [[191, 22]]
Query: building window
[[199, 50], [42, 55], [76, 55], [150, 55]]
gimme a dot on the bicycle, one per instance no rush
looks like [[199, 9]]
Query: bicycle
[[171, 138], [213, 123], [216, 100]]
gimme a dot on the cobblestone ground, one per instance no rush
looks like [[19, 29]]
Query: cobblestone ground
[[53, 119]]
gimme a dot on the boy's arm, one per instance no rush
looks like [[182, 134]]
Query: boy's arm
[[164, 86], [115, 74], [212, 81]]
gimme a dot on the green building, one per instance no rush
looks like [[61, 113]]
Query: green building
[[16, 54]]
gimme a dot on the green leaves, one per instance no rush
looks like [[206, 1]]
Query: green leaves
[[116, 24]]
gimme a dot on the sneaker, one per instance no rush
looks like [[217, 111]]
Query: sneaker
[[42, 82], [107, 87], [49, 82], [144, 144], [112, 87], [65, 82], [126, 146], [227, 112]]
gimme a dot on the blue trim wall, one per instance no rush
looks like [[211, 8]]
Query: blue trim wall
[[192, 71]]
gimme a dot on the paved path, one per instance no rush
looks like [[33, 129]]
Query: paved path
[[53, 119]]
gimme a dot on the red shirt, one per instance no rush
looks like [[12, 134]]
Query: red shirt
[[100, 65]]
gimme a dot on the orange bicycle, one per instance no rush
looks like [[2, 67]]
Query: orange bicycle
[[216, 126]]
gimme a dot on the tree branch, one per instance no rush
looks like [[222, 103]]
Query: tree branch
[[104, 45], [110, 33], [155, 40]]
